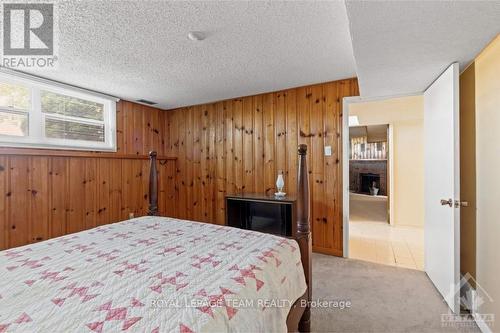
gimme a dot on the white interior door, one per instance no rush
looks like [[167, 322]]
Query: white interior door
[[442, 185]]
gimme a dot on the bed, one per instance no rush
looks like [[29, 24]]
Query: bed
[[158, 274]]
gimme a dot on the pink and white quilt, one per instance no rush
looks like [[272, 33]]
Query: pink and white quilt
[[151, 274]]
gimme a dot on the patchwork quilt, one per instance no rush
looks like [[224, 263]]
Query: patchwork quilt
[[151, 274]]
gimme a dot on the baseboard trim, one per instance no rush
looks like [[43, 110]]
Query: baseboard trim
[[327, 250]]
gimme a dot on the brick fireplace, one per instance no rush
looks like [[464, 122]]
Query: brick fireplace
[[362, 174]]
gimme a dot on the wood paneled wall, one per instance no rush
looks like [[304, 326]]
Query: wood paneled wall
[[48, 193], [239, 145], [231, 146]]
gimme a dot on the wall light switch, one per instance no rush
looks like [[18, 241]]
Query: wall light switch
[[328, 150]]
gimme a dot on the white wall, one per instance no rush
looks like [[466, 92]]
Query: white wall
[[406, 115], [487, 67]]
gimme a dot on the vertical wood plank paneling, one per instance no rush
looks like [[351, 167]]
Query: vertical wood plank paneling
[[291, 141], [258, 144], [39, 189], [157, 130], [254, 138], [316, 128], [204, 166], [182, 163], [90, 185], [128, 128], [3, 199], [248, 166], [18, 199], [120, 139], [220, 169], [212, 197], [147, 129], [189, 176], [116, 212], [76, 196], [280, 134], [170, 193], [238, 144], [59, 195], [126, 185], [317, 166], [269, 142], [163, 183], [304, 118], [172, 149], [196, 205], [137, 129], [333, 174], [132, 188], [164, 135], [138, 188], [228, 125], [103, 182]]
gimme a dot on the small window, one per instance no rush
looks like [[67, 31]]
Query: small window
[[14, 97], [72, 130], [71, 106], [34, 114], [13, 124]]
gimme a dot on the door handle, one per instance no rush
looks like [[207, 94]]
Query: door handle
[[448, 202]]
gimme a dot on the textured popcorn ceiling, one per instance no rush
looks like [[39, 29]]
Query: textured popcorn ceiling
[[140, 49], [401, 47]]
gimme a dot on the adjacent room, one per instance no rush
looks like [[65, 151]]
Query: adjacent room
[[249, 166], [386, 173]]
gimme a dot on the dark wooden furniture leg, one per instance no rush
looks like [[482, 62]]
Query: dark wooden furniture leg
[[153, 185], [303, 235], [299, 318]]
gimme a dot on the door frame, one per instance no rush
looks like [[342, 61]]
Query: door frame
[[346, 102]]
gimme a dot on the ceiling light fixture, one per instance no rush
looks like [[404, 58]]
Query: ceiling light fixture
[[196, 35]]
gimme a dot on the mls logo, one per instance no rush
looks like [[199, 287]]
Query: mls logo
[[28, 35]]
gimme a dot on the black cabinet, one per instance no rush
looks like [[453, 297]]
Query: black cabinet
[[262, 213]]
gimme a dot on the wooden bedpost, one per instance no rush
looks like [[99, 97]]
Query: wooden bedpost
[[303, 236], [153, 185]]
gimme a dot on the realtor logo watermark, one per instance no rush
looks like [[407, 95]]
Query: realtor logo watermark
[[29, 35], [471, 299]]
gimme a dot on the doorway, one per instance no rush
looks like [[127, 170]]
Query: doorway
[[385, 182]]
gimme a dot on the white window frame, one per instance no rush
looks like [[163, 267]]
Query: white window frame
[[36, 118]]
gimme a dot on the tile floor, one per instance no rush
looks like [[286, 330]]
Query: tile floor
[[376, 241]]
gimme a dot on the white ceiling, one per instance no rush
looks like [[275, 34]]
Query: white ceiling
[[374, 133], [400, 47], [139, 49]]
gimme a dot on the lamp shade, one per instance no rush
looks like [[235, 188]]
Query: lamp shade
[[280, 183]]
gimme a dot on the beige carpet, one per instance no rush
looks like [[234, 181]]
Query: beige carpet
[[384, 298]]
